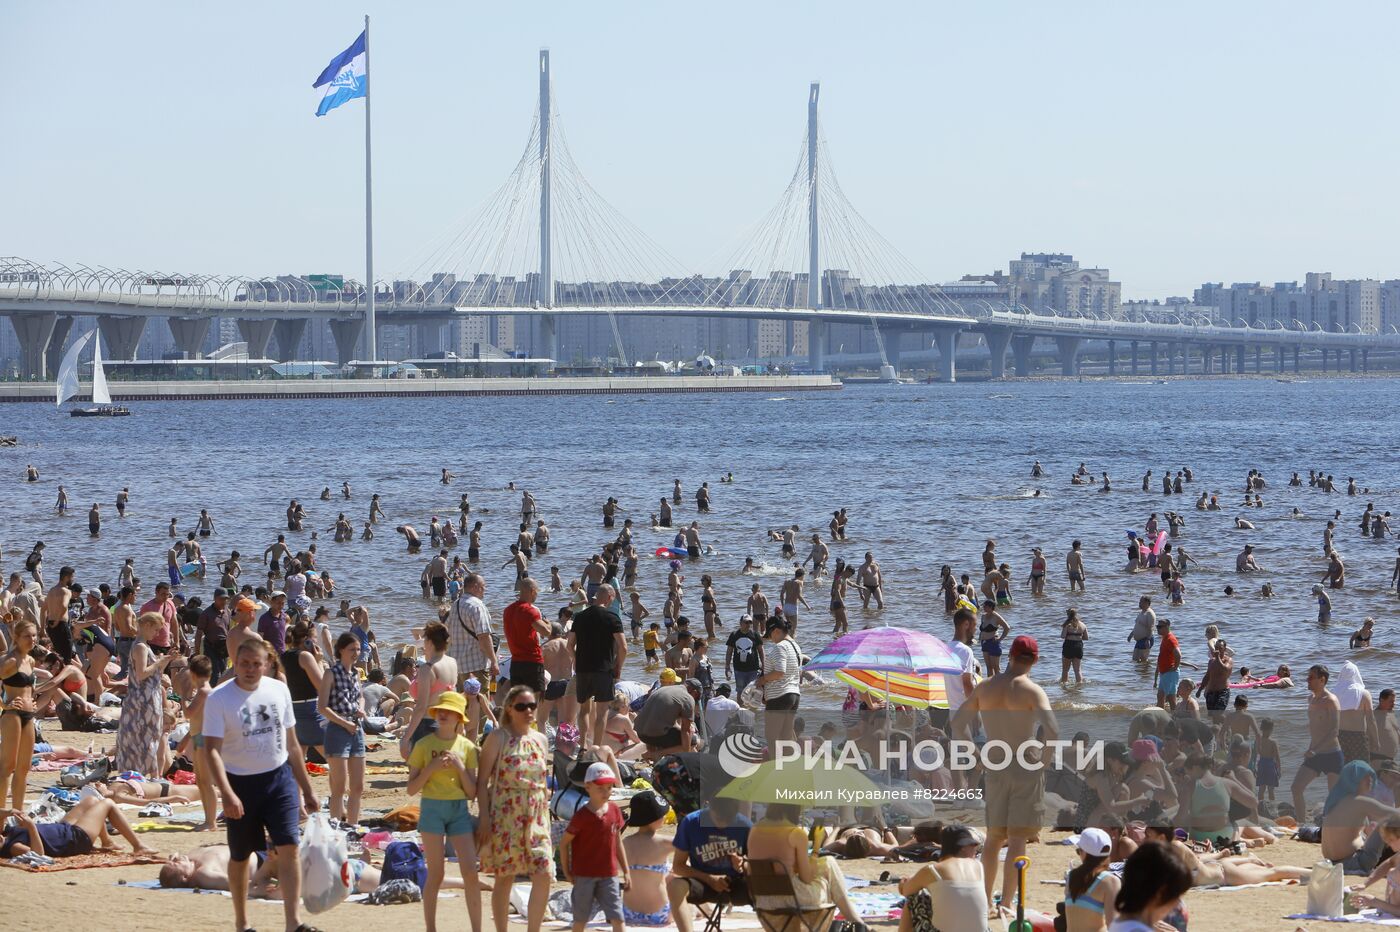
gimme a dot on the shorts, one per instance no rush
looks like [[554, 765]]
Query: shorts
[[1217, 700], [311, 727], [1072, 650], [787, 702], [342, 743], [703, 893], [692, 553], [788, 551], [450, 817], [557, 689], [61, 840], [592, 893], [271, 808], [1267, 768], [651, 654], [670, 738], [1168, 681], [1076, 577], [439, 584], [1145, 644], [526, 673], [1015, 798], [991, 647], [600, 687]]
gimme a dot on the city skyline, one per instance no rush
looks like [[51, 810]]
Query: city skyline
[[154, 158]]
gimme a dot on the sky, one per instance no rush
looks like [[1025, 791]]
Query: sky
[[1170, 143]]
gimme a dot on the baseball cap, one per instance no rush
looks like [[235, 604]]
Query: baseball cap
[[744, 618], [1025, 646], [277, 594], [600, 773], [220, 593], [1385, 765], [1095, 842], [694, 685], [669, 677], [647, 807], [959, 836], [246, 605]]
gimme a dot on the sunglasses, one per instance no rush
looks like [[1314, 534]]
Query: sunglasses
[[526, 706]]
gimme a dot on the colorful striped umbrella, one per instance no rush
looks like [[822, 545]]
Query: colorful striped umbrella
[[887, 650], [914, 690]]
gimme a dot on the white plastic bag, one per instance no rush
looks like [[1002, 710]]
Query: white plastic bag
[[1325, 890], [323, 857]]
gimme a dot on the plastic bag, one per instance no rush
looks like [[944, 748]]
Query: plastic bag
[[1325, 890], [323, 859]]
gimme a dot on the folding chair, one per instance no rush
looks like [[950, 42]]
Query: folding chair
[[769, 881]]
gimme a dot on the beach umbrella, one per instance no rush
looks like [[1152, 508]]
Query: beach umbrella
[[887, 650], [797, 783], [914, 690]]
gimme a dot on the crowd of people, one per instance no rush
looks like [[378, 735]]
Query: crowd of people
[[498, 725]]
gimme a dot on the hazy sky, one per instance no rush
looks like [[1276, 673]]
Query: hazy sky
[[1172, 143]]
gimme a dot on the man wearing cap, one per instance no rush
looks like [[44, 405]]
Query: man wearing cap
[[599, 649], [743, 655], [469, 633], [272, 626], [211, 634], [171, 634], [1015, 711], [782, 661], [1244, 563], [245, 613], [667, 719]]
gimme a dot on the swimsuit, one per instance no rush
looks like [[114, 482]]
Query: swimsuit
[[1083, 900], [663, 915], [18, 680]]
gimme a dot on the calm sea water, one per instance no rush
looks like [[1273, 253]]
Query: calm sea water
[[927, 473]]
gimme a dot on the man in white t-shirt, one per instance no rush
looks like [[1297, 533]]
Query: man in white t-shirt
[[256, 762], [960, 687]]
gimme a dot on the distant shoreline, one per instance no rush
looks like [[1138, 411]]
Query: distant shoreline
[[257, 389]]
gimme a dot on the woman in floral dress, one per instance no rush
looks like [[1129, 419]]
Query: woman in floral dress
[[141, 737], [513, 832]]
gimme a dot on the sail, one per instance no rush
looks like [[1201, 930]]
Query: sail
[[68, 369], [100, 395]]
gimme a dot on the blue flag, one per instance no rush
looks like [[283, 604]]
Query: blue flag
[[345, 78]]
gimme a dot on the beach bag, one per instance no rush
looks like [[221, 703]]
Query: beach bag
[[566, 802], [323, 859], [1325, 890], [403, 860]]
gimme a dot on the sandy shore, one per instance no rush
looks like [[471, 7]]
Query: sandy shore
[[72, 899]]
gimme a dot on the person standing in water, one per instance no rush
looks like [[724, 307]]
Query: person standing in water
[[1074, 566]]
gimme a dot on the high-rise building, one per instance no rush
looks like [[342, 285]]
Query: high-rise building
[[1053, 283]]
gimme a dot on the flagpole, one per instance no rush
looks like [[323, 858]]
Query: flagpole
[[369, 215]]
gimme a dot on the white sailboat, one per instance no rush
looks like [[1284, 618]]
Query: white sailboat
[[68, 380]]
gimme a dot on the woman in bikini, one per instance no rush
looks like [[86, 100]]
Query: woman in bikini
[[1073, 634], [17, 715], [619, 733], [144, 792], [991, 630], [644, 902], [437, 673], [1091, 888]]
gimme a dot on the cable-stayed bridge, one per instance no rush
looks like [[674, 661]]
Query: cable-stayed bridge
[[546, 246]]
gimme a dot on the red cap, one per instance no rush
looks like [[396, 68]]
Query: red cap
[[1025, 646]]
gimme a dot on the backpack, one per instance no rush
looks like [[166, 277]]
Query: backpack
[[404, 860]]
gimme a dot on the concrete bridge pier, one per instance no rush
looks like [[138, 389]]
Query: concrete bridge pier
[[1069, 354], [1112, 357], [549, 338], [289, 334], [818, 344], [1324, 359], [1297, 366], [346, 334], [1205, 358], [1365, 361], [1171, 358], [122, 335], [1239, 359], [1258, 359], [1133, 344], [998, 339], [257, 334], [947, 340], [1279, 352], [53, 353], [189, 334], [1021, 346], [892, 339], [34, 331], [1353, 360]]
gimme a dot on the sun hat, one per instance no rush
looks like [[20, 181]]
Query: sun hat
[[647, 807], [450, 701]]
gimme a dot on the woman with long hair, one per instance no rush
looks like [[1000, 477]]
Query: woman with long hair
[[302, 672], [1154, 880], [1073, 634], [17, 712], [952, 891], [141, 742], [1091, 888], [341, 704], [513, 832], [779, 836]]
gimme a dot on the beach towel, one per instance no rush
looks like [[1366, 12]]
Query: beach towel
[[1372, 916], [84, 861]]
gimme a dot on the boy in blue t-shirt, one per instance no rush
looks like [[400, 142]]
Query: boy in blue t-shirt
[[714, 841]]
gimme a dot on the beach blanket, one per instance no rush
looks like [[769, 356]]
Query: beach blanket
[[84, 861], [155, 885], [386, 768], [1373, 916]]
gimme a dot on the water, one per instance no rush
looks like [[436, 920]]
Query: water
[[927, 472]]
